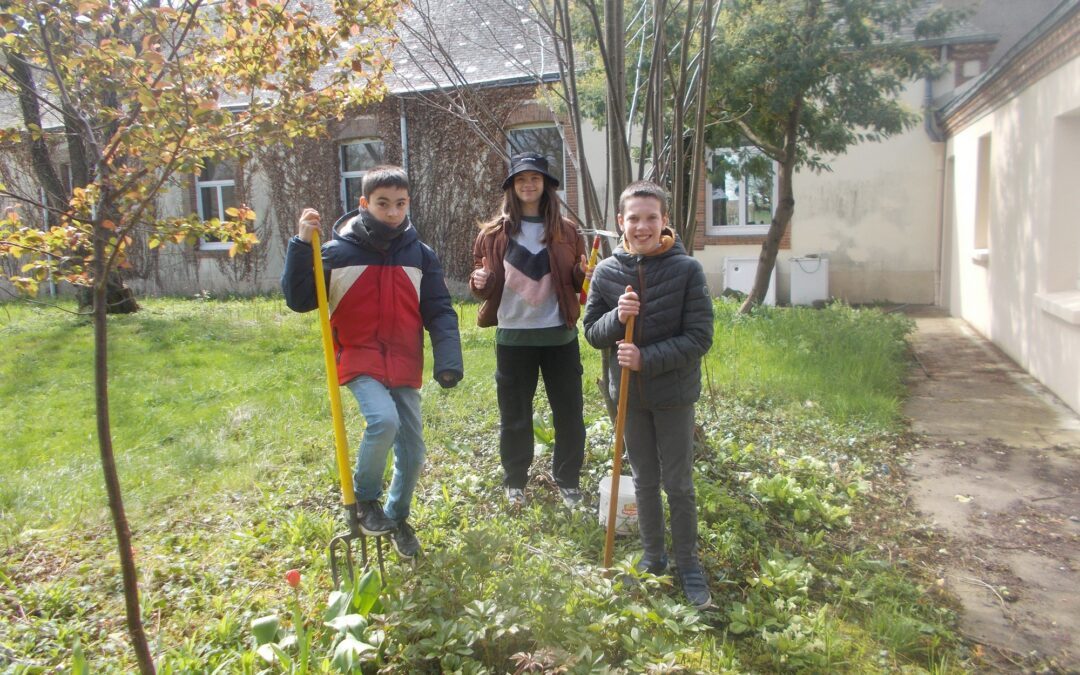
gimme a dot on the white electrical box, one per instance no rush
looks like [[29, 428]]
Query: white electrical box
[[739, 276], [809, 280]]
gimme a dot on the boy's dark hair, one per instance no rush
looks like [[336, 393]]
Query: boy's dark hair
[[385, 175], [645, 188]]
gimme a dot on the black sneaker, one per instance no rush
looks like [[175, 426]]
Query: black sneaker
[[373, 522], [404, 540], [695, 587]]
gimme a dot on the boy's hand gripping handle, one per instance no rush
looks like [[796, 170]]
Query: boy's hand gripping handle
[[341, 443]]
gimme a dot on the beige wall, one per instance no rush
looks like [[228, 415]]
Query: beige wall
[[1018, 282], [183, 271], [875, 216]]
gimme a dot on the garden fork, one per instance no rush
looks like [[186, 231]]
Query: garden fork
[[341, 545]]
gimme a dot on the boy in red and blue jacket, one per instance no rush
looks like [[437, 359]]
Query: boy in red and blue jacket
[[384, 287]]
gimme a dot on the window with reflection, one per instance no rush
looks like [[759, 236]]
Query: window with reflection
[[741, 190], [356, 159], [215, 190]]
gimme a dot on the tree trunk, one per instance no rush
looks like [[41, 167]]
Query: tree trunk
[[678, 168], [697, 141], [771, 245], [44, 171], [784, 210], [618, 143], [594, 213], [108, 461]]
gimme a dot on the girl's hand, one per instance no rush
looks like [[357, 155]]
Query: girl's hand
[[481, 275], [585, 266]]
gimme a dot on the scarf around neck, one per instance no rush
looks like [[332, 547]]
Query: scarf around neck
[[377, 234]]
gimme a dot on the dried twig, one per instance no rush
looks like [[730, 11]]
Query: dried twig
[[980, 582]]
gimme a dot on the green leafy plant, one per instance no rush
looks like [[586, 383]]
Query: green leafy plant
[[349, 642]]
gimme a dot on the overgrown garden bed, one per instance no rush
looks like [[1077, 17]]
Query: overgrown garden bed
[[226, 457]]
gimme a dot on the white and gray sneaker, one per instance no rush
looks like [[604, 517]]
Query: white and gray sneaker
[[515, 497], [571, 497], [404, 540]]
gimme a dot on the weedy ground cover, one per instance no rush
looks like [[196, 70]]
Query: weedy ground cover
[[226, 459]]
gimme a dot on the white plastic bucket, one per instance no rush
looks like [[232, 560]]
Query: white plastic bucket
[[626, 511]]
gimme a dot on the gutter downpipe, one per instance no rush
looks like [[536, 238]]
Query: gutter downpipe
[[937, 136], [404, 137]]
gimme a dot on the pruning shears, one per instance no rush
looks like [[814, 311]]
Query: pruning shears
[[341, 544]]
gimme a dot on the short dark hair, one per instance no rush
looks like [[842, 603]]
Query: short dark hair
[[385, 175], [645, 188]]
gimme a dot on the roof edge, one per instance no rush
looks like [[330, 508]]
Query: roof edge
[[1056, 17]]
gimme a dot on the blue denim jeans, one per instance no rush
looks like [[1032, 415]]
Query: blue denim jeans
[[393, 418]]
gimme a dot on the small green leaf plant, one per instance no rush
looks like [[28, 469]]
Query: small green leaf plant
[[348, 643]]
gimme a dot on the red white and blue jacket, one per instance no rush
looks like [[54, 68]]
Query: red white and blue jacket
[[380, 304]]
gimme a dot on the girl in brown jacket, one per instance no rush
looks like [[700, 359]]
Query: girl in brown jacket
[[528, 267]]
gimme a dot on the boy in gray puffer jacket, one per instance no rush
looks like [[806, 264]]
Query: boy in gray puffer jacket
[[650, 276]]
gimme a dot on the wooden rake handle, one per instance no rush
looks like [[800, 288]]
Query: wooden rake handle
[[616, 468]]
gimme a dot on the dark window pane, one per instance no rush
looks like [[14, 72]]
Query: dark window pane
[[216, 171], [544, 140], [353, 188], [208, 197], [228, 199], [719, 208], [759, 195], [362, 156]]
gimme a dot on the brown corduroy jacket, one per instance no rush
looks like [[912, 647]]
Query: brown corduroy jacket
[[566, 271]]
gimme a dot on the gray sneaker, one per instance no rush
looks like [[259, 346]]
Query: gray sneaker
[[571, 497], [515, 497], [373, 522], [404, 540]]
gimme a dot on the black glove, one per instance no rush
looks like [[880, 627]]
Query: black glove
[[448, 379]]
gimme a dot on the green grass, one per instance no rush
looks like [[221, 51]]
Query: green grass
[[850, 362], [225, 451]]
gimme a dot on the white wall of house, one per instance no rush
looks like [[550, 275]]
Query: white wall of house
[[875, 216], [594, 143], [215, 273], [1012, 252]]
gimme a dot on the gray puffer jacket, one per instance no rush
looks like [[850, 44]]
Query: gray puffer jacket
[[673, 330]]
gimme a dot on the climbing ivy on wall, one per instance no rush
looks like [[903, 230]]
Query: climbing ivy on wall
[[456, 177]]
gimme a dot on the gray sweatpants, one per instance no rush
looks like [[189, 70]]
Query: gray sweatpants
[[660, 444]]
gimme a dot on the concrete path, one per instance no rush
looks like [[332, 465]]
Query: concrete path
[[997, 471]]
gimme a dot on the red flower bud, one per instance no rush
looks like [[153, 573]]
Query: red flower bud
[[293, 578]]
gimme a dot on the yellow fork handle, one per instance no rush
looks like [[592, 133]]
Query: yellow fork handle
[[341, 443]]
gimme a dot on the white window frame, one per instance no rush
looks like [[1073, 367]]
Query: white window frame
[[204, 243], [742, 229], [510, 150], [346, 175]]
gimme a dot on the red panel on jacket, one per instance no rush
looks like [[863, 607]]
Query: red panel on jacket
[[379, 315]]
